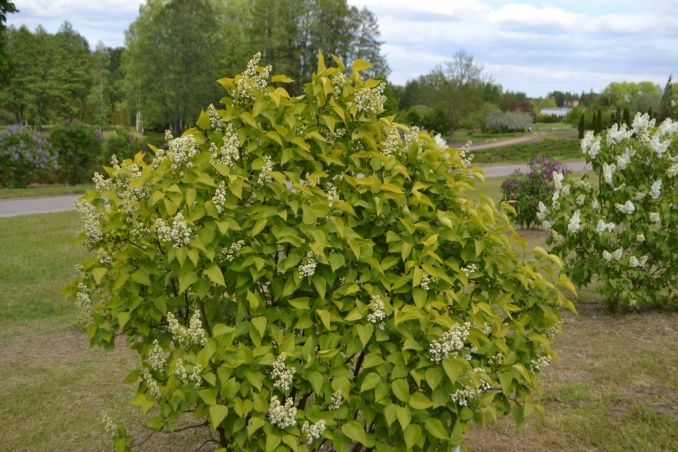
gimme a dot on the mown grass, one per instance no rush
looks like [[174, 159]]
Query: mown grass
[[561, 149], [614, 388], [45, 190]]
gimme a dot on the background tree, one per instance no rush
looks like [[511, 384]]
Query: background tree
[[172, 47], [6, 7], [666, 110]]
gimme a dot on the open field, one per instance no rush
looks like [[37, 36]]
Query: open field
[[45, 190], [556, 148], [615, 387]]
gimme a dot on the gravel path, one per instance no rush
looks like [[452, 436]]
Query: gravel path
[[46, 204]]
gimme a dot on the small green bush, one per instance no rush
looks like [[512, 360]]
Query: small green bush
[[622, 227], [298, 271], [122, 145], [79, 151], [25, 157]]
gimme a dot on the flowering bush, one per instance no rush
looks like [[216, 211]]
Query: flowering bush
[[622, 227], [25, 157], [302, 270], [122, 145], [524, 191]]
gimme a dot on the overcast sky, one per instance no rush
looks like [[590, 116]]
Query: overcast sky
[[529, 46]]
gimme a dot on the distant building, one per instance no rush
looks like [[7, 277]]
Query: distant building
[[558, 112]]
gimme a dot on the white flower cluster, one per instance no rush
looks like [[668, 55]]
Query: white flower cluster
[[496, 360], [602, 226], [440, 141], [282, 416], [392, 145], [608, 172], [180, 370], [427, 280], [338, 82], [336, 401], [307, 268], [615, 255], [219, 197], [465, 155], [151, 384], [193, 334], [103, 257], [624, 159], [574, 224], [179, 151], [84, 304], [265, 174], [451, 342], [252, 80], [196, 377], [377, 314], [469, 269], [590, 145], [179, 234], [557, 180], [233, 250], [282, 376], [640, 238], [229, 153], [628, 208], [655, 218], [215, 118], [332, 196], [156, 357], [412, 137], [540, 363], [464, 395], [313, 431], [617, 134], [580, 199], [673, 170], [656, 189], [370, 100], [91, 220], [634, 262], [337, 134], [100, 183], [641, 125], [541, 211], [595, 205]]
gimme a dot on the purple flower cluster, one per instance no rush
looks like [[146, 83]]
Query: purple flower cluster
[[544, 167], [24, 156]]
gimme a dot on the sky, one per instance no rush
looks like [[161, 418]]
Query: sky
[[530, 46]]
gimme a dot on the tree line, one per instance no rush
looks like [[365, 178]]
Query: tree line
[[174, 52]]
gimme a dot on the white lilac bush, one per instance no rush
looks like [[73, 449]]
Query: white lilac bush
[[300, 271], [620, 225]]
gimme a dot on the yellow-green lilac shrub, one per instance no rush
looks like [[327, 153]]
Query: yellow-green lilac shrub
[[620, 226], [303, 270]]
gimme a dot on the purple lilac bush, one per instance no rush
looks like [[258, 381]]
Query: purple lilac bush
[[525, 190], [25, 157]]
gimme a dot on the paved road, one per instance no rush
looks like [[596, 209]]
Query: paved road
[[47, 204], [42, 204]]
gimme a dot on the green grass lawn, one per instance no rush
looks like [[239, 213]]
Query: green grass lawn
[[47, 190], [557, 148], [614, 388]]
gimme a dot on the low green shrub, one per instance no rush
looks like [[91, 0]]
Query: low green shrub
[[300, 271], [79, 152], [25, 157], [622, 226], [122, 145]]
